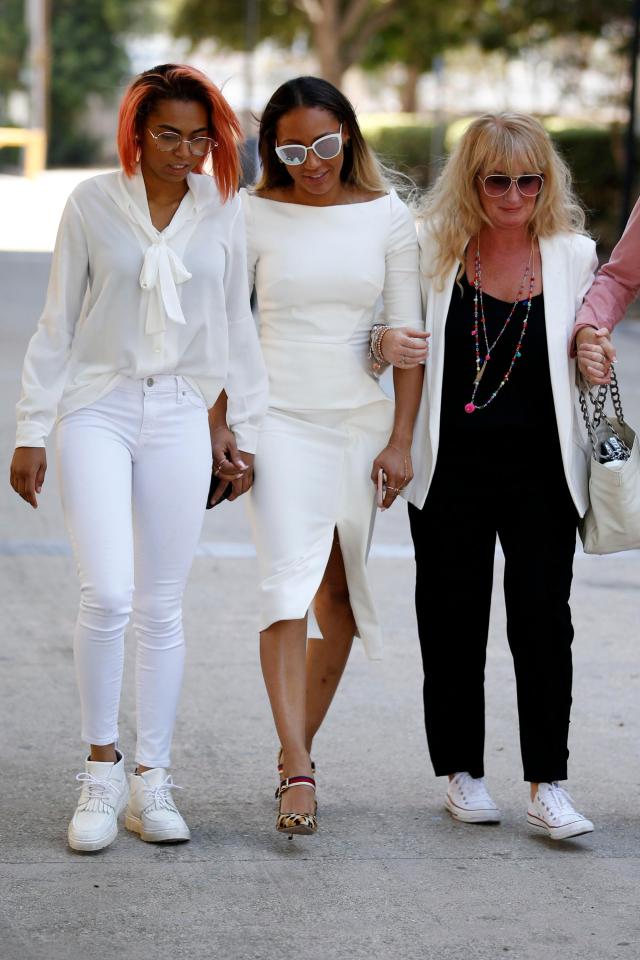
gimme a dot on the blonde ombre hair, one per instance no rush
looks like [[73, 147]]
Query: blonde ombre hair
[[506, 143]]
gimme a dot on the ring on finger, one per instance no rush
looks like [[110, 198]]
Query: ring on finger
[[394, 489]]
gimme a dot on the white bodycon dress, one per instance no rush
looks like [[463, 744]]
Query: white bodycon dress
[[319, 275]]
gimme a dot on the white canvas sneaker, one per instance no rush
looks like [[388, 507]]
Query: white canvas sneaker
[[151, 811], [103, 797], [468, 800], [552, 810]]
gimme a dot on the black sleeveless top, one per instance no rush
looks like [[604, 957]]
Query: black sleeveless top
[[521, 419]]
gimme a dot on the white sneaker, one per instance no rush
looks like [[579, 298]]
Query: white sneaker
[[103, 796], [468, 800], [151, 811], [552, 810]]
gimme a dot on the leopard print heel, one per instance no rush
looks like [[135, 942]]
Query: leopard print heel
[[299, 823]]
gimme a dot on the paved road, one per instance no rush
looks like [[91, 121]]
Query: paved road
[[389, 875]]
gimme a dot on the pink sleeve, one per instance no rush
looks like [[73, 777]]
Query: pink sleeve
[[617, 283]]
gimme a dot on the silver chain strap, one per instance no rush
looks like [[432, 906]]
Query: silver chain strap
[[598, 402], [615, 396]]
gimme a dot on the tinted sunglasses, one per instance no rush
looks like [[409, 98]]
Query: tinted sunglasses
[[325, 148], [497, 184]]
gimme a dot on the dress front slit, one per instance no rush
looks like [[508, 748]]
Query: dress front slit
[[317, 466]]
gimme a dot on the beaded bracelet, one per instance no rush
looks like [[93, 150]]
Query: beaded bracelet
[[376, 355]]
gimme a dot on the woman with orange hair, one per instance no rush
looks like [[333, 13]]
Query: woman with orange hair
[[147, 317]]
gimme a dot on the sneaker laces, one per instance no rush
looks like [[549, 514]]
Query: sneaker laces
[[560, 796], [473, 788], [97, 792], [557, 801], [160, 795]]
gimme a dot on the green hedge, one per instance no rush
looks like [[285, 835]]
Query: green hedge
[[595, 159], [405, 148], [595, 155]]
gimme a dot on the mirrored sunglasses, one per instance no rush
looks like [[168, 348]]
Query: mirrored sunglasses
[[168, 141], [497, 184], [325, 148]]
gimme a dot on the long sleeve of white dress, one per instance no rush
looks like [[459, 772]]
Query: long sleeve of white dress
[[400, 294]]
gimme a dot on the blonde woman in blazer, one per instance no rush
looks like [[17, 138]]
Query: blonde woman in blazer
[[498, 452]]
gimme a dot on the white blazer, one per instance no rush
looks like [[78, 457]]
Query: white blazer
[[568, 265]]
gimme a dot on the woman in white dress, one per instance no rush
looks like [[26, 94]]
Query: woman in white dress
[[326, 240]]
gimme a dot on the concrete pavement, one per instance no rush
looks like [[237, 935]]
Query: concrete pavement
[[389, 875]]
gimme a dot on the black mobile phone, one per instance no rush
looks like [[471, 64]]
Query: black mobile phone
[[213, 486]]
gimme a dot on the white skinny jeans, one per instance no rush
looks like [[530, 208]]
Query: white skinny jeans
[[134, 470]]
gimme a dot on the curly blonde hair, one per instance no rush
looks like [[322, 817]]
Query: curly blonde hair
[[508, 143]]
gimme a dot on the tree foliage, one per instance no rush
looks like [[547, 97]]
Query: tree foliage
[[339, 30], [226, 21], [87, 57], [411, 32], [422, 29], [510, 24], [13, 41], [419, 31]]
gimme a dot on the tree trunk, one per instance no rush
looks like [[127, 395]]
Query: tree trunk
[[340, 35], [409, 90], [331, 67], [324, 32]]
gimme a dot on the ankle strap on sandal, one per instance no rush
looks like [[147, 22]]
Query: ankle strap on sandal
[[289, 782]]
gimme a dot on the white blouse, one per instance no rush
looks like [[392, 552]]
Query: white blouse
[[322, 275], [127, 300]]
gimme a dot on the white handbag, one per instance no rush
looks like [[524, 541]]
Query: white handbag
[[612, 520]]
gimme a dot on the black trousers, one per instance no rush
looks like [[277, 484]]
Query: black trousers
[[528, 506]]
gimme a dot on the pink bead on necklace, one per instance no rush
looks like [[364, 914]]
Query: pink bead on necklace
[[479, 320]]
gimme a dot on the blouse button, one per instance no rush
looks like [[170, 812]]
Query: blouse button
[[149, 381]]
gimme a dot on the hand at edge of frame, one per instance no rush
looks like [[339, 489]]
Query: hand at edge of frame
[[595, 353]]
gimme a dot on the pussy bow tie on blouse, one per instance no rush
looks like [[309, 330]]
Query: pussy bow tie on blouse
[[162, 269]]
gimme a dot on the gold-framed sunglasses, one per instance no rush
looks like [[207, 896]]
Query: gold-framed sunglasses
[[497, 184]]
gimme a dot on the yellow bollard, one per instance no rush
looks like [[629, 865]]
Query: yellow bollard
[[34, 143]]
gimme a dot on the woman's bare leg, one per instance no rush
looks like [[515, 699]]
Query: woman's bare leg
[[327, 658], [283, 655], [103, 754]]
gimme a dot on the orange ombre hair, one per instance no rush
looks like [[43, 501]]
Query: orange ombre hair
[[172, 81]]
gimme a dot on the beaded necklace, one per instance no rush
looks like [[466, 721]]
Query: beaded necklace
[[480, 320]]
